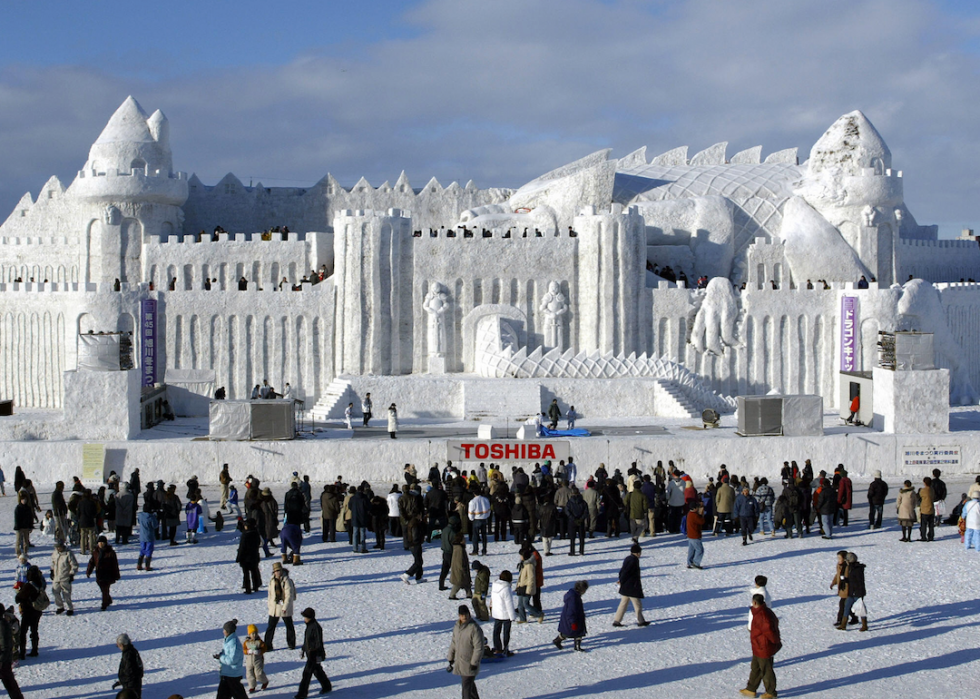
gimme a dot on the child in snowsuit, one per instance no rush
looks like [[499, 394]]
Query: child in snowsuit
[[254, 648]]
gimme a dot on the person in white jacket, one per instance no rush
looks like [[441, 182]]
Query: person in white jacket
[[759, 589], [503, 612], [64, 567], [971, 513]]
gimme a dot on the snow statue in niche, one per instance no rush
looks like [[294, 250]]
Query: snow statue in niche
[[436, 304], [554, 305], [714, 325]]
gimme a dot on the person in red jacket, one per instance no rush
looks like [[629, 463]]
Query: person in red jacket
[[765, 644]]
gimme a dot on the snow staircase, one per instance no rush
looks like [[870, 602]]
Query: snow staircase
[[333, 402], [672, 401]]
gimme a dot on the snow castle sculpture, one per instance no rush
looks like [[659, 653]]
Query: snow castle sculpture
[[578, 274]]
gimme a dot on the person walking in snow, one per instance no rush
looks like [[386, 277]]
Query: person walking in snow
[[315, 655], [254, 649], [231, 659], [105, 565], [766, 643], [466, 651], [282, 595], [855, 593], [572, 621], [130, 674], [631, 588]]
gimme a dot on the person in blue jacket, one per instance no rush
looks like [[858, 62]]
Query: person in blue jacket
[[572, 622], [231, 659], [147, 520], [746, 510]]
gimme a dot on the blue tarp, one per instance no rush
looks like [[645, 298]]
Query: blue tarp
[[577, 432]]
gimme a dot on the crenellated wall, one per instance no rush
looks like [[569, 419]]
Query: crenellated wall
[[938, 260], [192, 259], [234, 206]]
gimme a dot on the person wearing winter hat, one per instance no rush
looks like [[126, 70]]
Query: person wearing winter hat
[[466, 651], [105, 565], [282, 595], [255, 650], [231, 658], [877, 492], [315, 654]]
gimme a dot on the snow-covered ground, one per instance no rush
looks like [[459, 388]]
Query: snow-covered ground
[[386, 639]]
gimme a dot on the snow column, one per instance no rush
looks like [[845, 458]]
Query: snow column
[[372, 277], [611, 269]]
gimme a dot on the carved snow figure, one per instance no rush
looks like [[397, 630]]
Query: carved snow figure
[[815, 249], [921, 308], [436, 304], [554, 306], [714, 326]]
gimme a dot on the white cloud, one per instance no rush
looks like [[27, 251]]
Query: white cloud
[[500, 92]]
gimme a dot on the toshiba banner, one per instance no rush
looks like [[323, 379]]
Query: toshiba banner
[[507, 450]]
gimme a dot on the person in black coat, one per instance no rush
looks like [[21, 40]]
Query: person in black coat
[[631, 588], [577, 512], [248, 557], [7, 659], [29, 616], [23, 524], [130, 666], [855, 591], [877, 493], [315, 654]]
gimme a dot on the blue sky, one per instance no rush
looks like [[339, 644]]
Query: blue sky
[[497, 92]]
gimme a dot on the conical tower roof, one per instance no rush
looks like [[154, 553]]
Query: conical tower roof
[[851, 143], [127, 125]]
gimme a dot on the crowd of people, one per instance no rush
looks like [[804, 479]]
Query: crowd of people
[[456, 512]]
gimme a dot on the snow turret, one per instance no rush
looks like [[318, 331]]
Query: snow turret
[[131, 161]]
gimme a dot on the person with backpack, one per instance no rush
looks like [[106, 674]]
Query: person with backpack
[[766, 643]]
